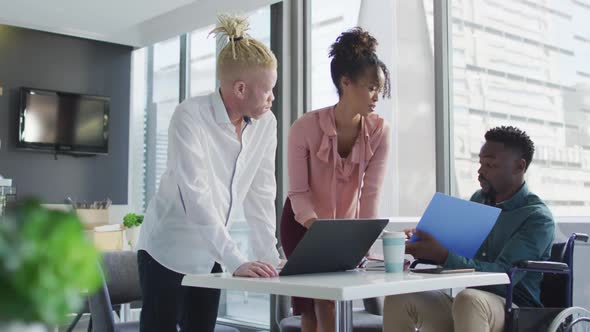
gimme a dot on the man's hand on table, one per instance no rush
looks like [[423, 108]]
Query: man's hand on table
[[256, 269]]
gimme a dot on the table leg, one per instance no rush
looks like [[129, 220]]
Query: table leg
[[343, 316], [125, 312]]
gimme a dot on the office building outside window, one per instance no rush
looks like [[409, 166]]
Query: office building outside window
[[525, 64]]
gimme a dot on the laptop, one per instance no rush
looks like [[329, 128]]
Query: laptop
[[333, 245]]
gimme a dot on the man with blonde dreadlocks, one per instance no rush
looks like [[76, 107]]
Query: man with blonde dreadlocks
[[221, 154]]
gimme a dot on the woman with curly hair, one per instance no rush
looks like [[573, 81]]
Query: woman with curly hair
[[337, 156]]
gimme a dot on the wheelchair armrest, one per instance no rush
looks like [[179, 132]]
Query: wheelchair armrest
[[541, 266], [532, 266], [581, 237]]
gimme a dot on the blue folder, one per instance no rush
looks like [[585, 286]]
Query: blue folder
[[460, 226]]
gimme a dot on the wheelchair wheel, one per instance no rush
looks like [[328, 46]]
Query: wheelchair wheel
[[574, 319]]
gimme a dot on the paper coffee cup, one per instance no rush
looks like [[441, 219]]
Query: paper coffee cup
[[394, 249]]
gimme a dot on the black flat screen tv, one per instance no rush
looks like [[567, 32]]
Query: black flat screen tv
[[63, 122]]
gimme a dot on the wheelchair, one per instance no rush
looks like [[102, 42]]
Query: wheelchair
[[557, 313]]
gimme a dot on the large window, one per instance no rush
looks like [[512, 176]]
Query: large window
[[136, 129], [525, 63], [166, 87], [202, 62], [521, 63], [401, 28]]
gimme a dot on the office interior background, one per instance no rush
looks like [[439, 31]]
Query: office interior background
[[459, 67]]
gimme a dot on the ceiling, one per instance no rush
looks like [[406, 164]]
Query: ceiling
[[130, 22]]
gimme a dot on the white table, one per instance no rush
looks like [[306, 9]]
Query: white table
[[344, 287]]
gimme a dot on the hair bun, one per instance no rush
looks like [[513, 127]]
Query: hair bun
[[239, 48], [353, 44], [232, 26]]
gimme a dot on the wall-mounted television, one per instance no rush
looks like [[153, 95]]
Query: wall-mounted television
[[63, 122]]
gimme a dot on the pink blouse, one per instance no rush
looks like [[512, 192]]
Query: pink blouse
[[326, 186]]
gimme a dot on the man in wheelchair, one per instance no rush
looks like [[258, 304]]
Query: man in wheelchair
[[524, 231]]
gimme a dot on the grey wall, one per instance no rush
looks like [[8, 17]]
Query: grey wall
[[44, 60]]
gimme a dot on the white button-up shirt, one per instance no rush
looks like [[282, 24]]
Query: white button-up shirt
[[210, 172]]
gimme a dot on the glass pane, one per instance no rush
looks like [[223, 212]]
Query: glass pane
[[165, 97], [525, 63], [402, 30], [137, 125], [202, 62]]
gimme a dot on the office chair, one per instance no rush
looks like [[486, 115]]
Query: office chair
[[121, 285]]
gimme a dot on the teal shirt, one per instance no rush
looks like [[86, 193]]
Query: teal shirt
[[524, 231]]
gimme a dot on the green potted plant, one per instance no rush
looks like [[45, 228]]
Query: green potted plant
[[46, 266], [132, 223]]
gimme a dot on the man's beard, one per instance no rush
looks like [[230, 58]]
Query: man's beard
[[489, 195]]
